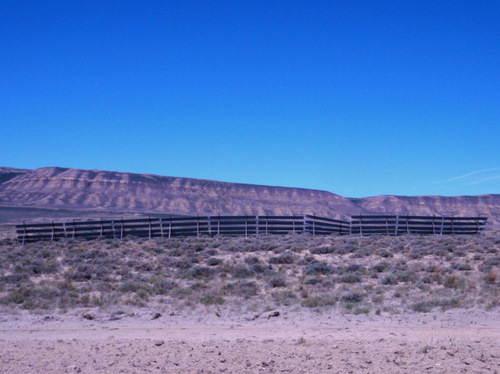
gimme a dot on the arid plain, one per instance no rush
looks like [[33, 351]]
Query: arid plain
[[297, 304]]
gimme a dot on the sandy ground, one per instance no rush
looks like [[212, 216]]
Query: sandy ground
[[294, 342]]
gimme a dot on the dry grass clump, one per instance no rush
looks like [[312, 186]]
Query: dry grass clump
[[354, 274]]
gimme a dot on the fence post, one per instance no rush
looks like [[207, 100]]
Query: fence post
[[121, 230], [433, 225], [477, 224], [314, 224], [113, 228], [246, 227], [197, 226], [150, 233], [407, 224], [396, 228], [53, 232], [257, 225], [452, 227], [161, 226], [170, 228], [218, 225], [387, 225], [361, 225], [25, 232], [102, 228]]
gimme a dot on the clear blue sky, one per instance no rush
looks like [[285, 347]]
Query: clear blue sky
[[359, 98]]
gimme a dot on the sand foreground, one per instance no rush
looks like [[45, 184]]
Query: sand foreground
[[293, 342]]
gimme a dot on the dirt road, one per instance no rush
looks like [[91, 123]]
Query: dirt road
[[293, 344]]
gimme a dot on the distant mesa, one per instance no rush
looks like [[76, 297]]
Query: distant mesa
[[54, 192]]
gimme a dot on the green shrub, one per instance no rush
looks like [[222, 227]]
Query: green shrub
[[363, 310], [386, 254], [451, 281], [82, 274], [198, 272], [322, 250], [421, 307], [317, 268], [132, 286], [261, 269], [427, 279], [186, 263], [242, 272], [489, 263], [419, 252], [380, 267], [444, 304], [462, 267], [214, 261], [313, 281], [390, 279], [285, 297], [325, 299], [310, 302], [354, 268], [212, 300], [243, 289], [350, 278], [163, 287], [277, 281], [352, 297], [252, 260], [285, 258], [15, 278]]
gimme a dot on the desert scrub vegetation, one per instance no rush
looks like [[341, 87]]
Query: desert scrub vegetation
[[359, 275]]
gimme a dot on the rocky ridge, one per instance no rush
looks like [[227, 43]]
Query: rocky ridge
[[50, 191]]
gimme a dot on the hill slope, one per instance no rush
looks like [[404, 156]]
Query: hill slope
[[144, 193], [56, 192], [484, 205]]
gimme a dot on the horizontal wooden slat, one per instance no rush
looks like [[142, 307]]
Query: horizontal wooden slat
[[281, 217], [375, 216], [184, 219], [28, 225], [325, 219], [279, 222], [325, 224], [229, 218], [87, 223]]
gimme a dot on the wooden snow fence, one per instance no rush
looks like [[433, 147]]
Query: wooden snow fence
[[168, 227], [424, 225]]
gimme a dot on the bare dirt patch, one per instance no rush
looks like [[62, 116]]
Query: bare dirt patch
[[294, 342], [295, 304]]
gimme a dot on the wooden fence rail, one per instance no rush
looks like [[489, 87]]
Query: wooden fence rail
[[168, 227], [425, 225]]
